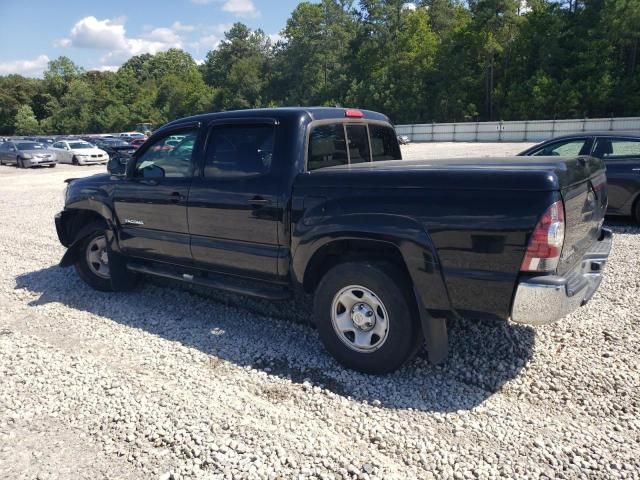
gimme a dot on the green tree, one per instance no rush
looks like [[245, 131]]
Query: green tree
[[238, 68], [26, 122], [396, 50], [312, 64]]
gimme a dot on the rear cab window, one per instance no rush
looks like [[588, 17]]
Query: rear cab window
[[346, 143]]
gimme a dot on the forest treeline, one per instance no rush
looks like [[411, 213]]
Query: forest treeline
[[429, 61]]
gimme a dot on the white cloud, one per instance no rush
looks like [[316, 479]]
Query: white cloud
[[409, 6], [90, 32], [275, 38], [107, 68], [110, 35], [28, 68], [212, 38], [164, 35], [62, 43], [181, 27], [241, 8]]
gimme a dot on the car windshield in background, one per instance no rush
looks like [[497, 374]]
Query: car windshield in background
[[29, 146], [80, 145], [116, 143]]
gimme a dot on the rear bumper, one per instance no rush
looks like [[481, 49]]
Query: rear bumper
[[546, 299]]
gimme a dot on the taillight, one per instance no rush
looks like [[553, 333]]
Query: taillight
[[545, 244]]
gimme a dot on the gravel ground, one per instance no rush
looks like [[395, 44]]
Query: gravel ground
[[171, 382]]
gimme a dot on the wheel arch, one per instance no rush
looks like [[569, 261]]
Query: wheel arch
[[394, 239]]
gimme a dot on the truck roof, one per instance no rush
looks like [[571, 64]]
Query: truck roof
[[306, 113]]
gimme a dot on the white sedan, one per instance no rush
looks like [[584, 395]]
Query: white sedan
[[78, 152]]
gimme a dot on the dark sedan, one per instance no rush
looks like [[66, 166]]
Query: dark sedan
[[119, 153], [621, 154]]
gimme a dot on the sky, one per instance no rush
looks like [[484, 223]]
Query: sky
[[101, 35]]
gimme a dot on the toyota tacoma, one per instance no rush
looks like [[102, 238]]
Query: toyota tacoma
[[268, 202]]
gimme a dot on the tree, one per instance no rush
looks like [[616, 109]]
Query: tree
[[312, 64], [396, 50], [237, 69], [26, 122]]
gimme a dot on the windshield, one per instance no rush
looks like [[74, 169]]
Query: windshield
[[117, 143], [29, 146], [80, 145]]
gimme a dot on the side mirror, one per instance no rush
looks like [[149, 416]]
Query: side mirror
[[153, 172]]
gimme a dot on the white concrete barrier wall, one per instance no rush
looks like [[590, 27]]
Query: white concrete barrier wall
[[518, 131]]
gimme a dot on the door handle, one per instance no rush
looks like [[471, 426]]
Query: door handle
[[176, 197], [259, 202]]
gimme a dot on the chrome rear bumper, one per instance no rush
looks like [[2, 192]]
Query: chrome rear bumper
[[546, 299]]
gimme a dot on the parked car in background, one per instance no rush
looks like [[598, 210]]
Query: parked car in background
[[79, 152], [119, 152], [276, 201], [137, 142], [621, 155], [127, 135], [26, 154], [403, 140], [46, 141]]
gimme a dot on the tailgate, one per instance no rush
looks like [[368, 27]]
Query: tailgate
[[584, 192]]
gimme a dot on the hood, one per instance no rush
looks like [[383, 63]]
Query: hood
[[88, 151], [38, 152]]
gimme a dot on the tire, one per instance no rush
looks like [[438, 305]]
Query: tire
[[92, 263], [366, 317], [19, 163], [74, 161], [53, 165], [636, 211]]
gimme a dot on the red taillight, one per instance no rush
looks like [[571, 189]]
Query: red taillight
[[545, 244], [353, 113]]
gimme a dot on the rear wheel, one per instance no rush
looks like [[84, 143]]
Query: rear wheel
[[365, 316], [53, 165], [636, 211], [92, 263]]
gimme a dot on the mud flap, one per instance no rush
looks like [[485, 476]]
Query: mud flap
[[122, 279], [435, 334]]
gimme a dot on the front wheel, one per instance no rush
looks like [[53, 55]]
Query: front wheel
[[636, 212], [365, 315], [92, 263]]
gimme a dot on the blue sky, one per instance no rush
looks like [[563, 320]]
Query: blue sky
[[103, 35]]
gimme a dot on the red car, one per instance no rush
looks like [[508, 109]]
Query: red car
[[137, 142]]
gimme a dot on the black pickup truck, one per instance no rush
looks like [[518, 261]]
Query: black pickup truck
[[265, 202]]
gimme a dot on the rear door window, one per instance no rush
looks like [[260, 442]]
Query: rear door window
[[239, 151], [617, 148], [327, 147], [566, 148], [384, 143]]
